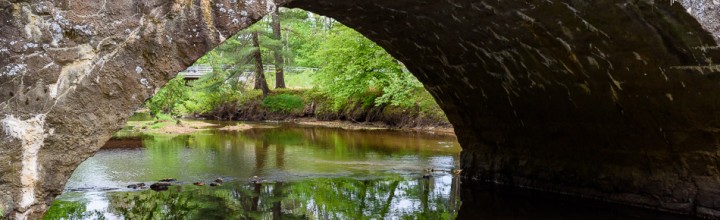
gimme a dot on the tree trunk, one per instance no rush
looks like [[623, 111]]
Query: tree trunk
[[277, 50], [277, 205], [261, 148], [256, 197], [280, 156], [260, 82], [388, 202]]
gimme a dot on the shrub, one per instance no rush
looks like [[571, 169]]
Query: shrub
[[428, 107], [283, 103], [173, 92], [249, 96]]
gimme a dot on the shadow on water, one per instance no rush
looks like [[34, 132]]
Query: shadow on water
[[488, 201], [307, 173]]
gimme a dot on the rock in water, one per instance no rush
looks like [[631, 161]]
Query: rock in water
[[255, 179], [161, 186]]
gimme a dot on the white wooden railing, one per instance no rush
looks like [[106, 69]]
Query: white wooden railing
[[197, 71]]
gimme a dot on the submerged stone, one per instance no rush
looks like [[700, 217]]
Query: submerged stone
[[160, 186]]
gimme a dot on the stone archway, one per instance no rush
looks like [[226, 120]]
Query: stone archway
[[608, 99]]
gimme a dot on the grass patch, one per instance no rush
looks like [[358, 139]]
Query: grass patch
[[283, 103], [293, 80], [163, 117], [156, 126]]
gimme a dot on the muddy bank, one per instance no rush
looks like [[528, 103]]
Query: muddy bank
[[129, 137], [167, 126], [372, 126]]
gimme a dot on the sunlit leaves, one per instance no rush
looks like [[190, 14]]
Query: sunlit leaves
[[352, 65]]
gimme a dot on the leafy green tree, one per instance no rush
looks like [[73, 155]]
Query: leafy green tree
[[168, 97], [353, 70], [304, 35], [352, 65]]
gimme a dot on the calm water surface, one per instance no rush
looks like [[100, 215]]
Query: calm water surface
[[307, 173]]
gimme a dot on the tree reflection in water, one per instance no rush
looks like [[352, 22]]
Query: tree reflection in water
[[319, 198], [325, 174], [314, 173]]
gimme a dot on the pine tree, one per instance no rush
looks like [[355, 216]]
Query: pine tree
[[260, 82], [277, 50]]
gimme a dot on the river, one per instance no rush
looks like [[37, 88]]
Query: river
[[301, 172]]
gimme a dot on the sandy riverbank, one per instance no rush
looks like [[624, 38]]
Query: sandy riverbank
[[182, 126]]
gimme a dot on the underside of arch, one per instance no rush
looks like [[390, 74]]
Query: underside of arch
[[610, 99]]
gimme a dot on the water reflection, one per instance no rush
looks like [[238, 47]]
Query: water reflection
[[283, 153], [305, 171], [308, 173], [319, 198]]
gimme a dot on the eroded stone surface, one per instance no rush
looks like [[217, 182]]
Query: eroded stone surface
[[609, 99], [82, 67]]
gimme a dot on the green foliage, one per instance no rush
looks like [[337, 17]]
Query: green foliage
[[352, 65], [428, 107], [301, 80], [158, 125], [283, 103], [354, 72], [249, 96], [401, 90], [160, 117], [165, 100], [198, 97]]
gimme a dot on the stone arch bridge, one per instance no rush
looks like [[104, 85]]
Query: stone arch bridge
[[611, 99]]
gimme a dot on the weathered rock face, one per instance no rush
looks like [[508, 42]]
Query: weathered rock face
[[609, 99], [73, 71]]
